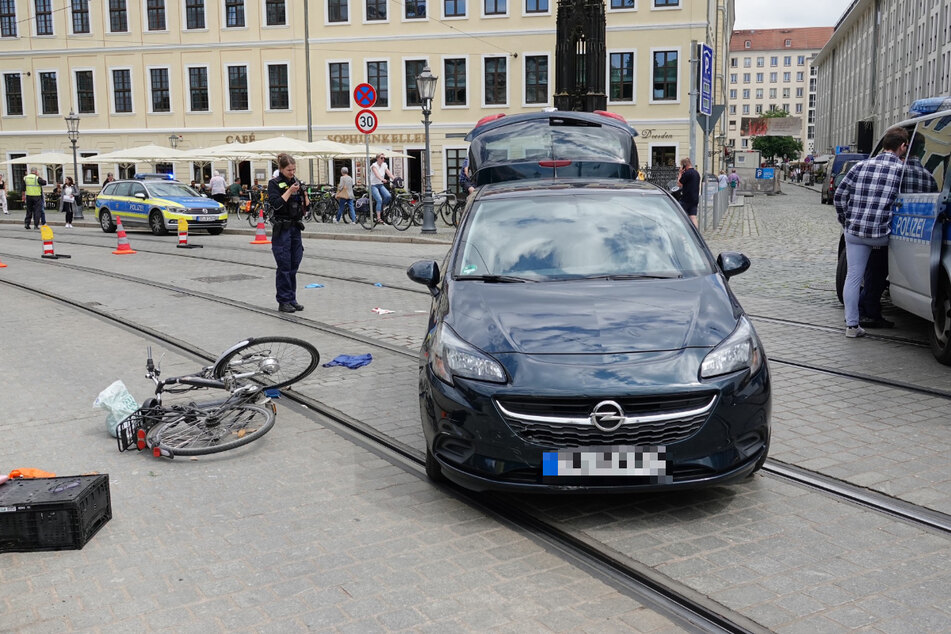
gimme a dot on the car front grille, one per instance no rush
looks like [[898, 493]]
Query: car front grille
[[653, 420]]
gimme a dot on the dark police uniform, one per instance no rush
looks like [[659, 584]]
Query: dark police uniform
[[286, 244]]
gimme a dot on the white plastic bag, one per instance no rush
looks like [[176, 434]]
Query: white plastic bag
[[116, 400]]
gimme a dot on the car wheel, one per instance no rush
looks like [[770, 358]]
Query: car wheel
[[105, 221], [215, 231], [433, 470], [841, 270], [941, 328], [157, 223]]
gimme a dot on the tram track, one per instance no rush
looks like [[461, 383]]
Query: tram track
[[827, 485]]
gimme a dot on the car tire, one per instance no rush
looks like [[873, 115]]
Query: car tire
[[106, 222], [433, 470], [157, 223], [215, 231], [940, 337], [841, 270]]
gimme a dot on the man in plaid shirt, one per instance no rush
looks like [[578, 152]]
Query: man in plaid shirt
[[863, 203]]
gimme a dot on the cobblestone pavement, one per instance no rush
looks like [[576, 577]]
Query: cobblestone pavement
[[791, 559]]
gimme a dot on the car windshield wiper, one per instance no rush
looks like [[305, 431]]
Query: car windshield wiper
[[495, 278], [634, 276]]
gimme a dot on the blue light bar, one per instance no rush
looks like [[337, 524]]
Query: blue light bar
[[930, 105], [154, 176]]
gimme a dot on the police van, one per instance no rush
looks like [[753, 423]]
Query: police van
[[919, 247]]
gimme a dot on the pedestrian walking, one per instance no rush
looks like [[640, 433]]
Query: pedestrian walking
[[863, 206], [69, 200], [109, 179], [33, 196], [734, 182], [3, 195], [344, 195], [288, 200], [689, 182], [722, 181], [217, 184], [381, 195], [465, 178]]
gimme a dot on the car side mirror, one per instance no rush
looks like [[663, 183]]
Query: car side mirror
[[425, 272], [139, 195], [732, 263]]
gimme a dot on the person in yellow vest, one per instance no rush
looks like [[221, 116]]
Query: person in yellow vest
[[33, 189]]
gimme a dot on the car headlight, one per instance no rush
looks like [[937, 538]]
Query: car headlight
[[451, 356], [739, 351]]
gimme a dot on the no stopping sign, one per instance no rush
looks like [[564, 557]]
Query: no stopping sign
[[366, 121]]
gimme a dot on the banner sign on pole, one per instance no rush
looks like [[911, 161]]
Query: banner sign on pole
[[706, 80]]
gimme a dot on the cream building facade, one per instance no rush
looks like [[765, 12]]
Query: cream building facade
[[771, 68], [881, 58], [200, 73]]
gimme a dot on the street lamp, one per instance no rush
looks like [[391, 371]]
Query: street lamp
[[426, 86], [173, 140], [72, 131]]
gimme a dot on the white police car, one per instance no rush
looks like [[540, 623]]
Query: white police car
[[155, 201], [919, 248]]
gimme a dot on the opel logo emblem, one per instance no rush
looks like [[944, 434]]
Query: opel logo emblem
[[607, 416]]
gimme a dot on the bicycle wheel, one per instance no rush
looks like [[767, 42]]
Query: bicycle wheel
[[275, 361], [328, 209], [253, 215], [445, 210], [364, 217], [196, 432], [401, 215]]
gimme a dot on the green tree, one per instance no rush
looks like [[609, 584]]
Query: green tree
[[772, 147]]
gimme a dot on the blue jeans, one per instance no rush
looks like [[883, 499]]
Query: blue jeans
[[381, 196], [857, 252], [288, 250], [341, 203]]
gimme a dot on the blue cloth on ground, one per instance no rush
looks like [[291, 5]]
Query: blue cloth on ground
[[377, 284], [314, 286], [352, 361]]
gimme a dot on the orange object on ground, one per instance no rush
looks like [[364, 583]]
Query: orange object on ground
[[2, 265], [260, 236], [28, 472], [47, 234], [123, 247]]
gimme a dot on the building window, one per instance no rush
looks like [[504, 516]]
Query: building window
[[732, 78], [415, 9], [799, 76], [801, 60], [238, 88], [787, 76], [455, 85], [541, 6], [773, 77], [774, 61], [536, 79], [44, 17], [234, 14], [276, 12], [494, 7], [413, 68], [734, 62], [378, 76], [85, 92], [339, 85], [156, 15], [161, 99], [732, 109], [665, 75], [337, 11], [666, 3], [454, 160], [747, 44], [798, 108], [746, 108], [760, 62], [746, 78], [495, 81], [786, 93], [118, 16], [622, 77], [746, 93], [90, 170], [745, 143], [122, 90], [733, 93], [278, 87], [13, 90], [799, 92], [454, 8], [49, 97], [198, 89], [787, 61], [80, 9], [788, 43], [759, 78], [8, 18], [759, 108], [376, 9], [759, 93], [194, 14], [747, 62]]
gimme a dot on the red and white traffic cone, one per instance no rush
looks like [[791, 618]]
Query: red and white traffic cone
[[260, 236], [183, 236], [47, 234], [123, 247]]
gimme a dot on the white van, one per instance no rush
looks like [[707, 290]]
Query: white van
[[919, 248]]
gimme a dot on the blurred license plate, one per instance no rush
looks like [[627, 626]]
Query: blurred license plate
[[206, 218], [606, 461]]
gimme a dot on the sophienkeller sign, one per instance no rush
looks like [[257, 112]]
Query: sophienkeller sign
[[774, 126]]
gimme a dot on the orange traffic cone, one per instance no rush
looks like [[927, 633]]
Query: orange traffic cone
[[123, 247], [47, 234], [260, 236], [183, 236], [2, 265]]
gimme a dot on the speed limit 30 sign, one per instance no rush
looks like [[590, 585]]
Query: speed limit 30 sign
[[366, 121]]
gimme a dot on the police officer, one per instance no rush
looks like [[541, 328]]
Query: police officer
[[33, 188], [288, 201]]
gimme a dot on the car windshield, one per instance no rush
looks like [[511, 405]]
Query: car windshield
[[161, 190], [578, 235]]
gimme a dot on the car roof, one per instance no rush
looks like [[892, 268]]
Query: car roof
[[924, 117], [594, 118], [543, 185]]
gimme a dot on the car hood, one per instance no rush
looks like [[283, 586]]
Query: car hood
[[585, 317]]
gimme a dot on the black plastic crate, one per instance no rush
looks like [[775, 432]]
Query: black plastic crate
[[52, 513]]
